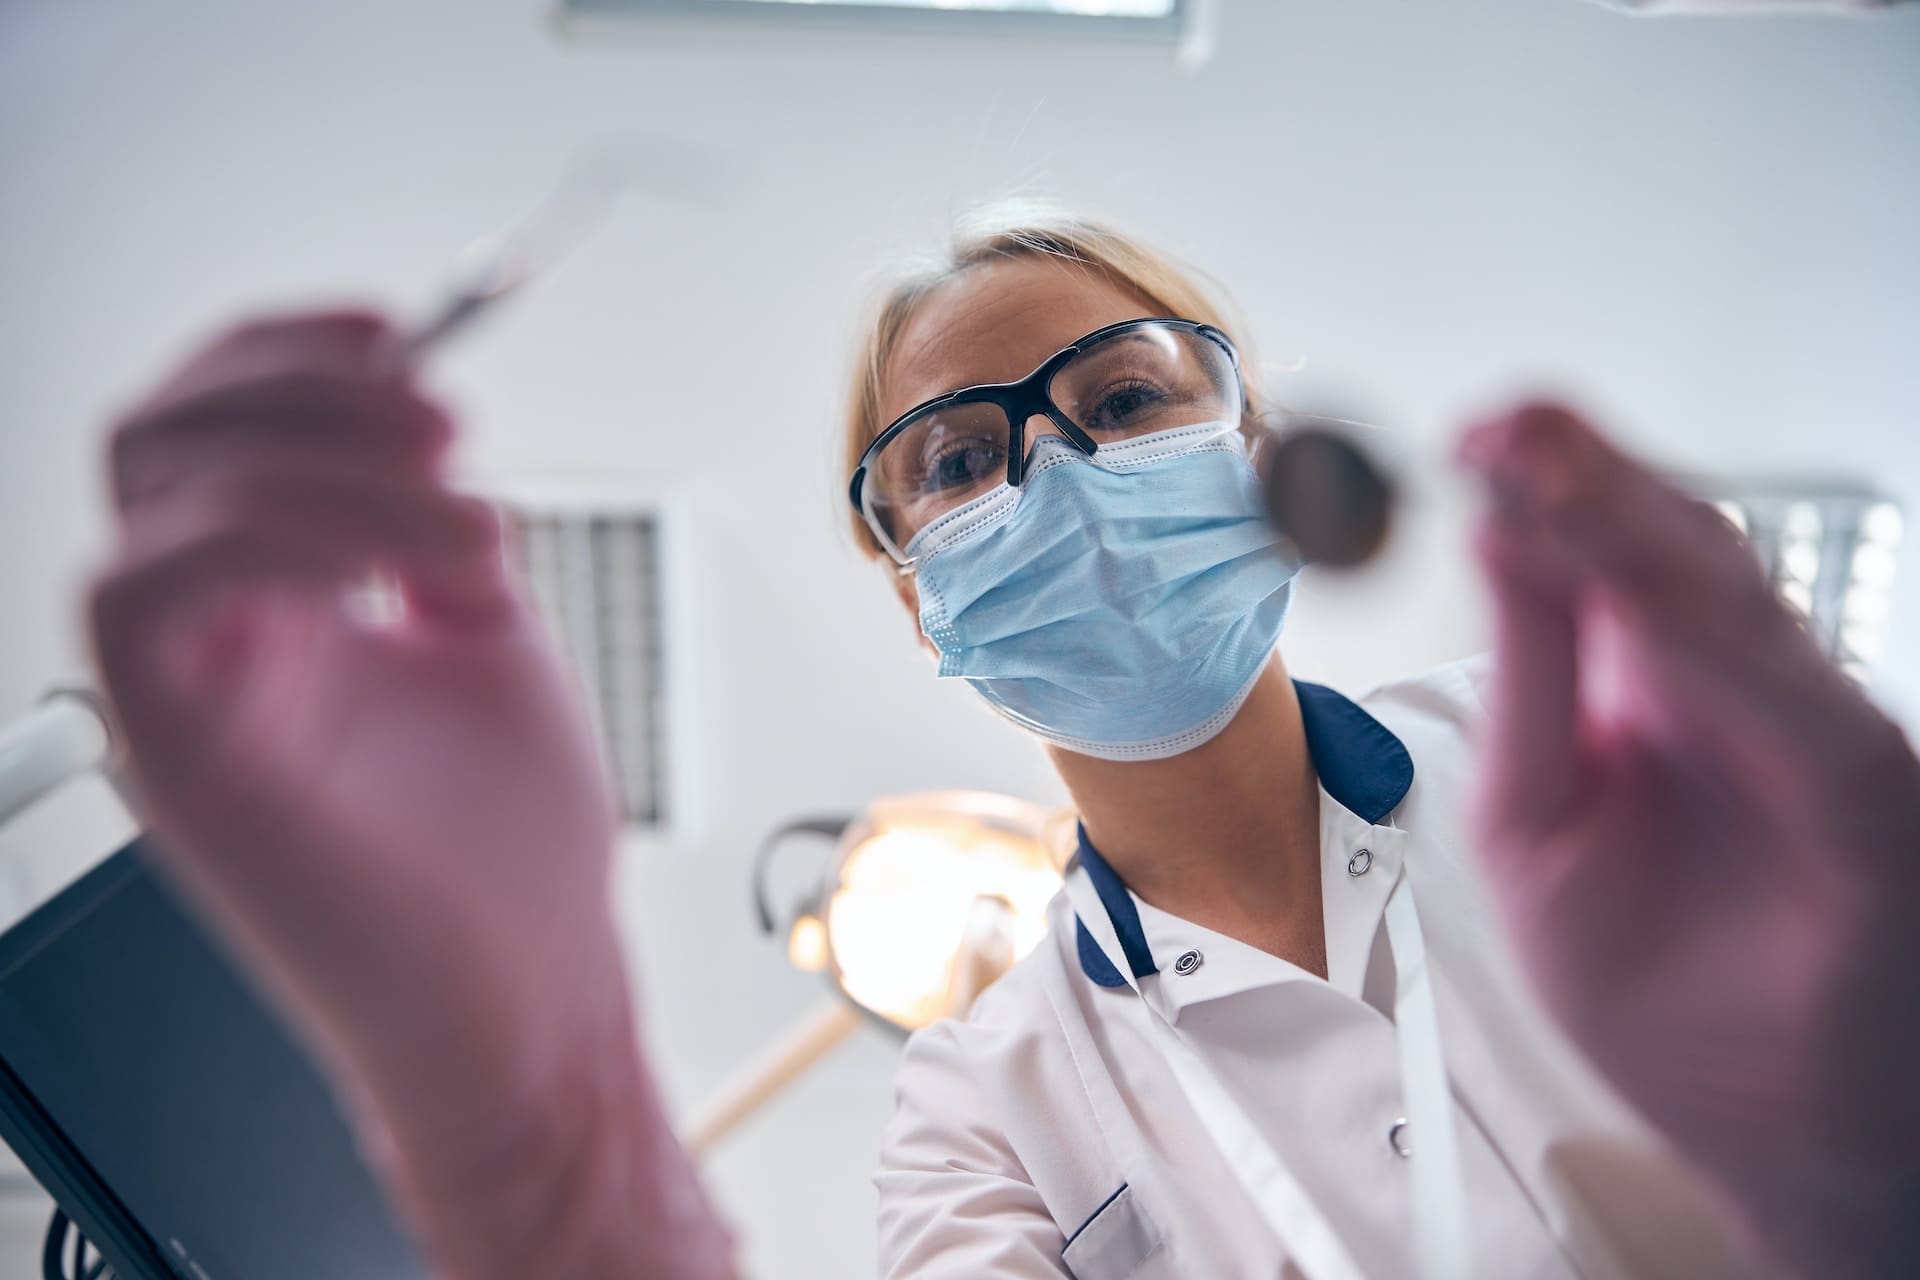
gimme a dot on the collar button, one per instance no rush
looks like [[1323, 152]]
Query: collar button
[[1360, 863], [1188, 962]]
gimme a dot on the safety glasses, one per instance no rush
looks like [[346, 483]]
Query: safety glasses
[[1121, 383]]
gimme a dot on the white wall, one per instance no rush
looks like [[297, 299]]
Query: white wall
[[1706, 229]]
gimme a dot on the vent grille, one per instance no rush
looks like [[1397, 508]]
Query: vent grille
[[596, 577]]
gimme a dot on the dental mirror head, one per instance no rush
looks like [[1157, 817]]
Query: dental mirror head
[[1325, 493]]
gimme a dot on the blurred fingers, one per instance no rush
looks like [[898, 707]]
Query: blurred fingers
[[1692, 597], [159, 627], [290, 533], [291, 419], [1530, 756], [343, 342], [389, 523]]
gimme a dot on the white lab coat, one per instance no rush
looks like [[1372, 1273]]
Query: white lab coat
[[1045, 1135]]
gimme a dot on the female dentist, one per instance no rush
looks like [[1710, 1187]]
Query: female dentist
[[1272, 1031]]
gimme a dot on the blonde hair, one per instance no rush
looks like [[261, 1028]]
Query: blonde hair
[[1023, 229]]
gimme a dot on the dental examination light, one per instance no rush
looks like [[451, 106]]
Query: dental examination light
[[925, 900]]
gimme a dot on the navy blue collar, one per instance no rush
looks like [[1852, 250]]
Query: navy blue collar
[[1361, 764]]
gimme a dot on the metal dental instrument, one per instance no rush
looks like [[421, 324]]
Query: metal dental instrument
[[496, 267]]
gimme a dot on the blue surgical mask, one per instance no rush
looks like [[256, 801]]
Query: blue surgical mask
[[1120, 609]]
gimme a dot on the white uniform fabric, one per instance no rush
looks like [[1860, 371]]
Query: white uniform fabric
[[1046, 1135]]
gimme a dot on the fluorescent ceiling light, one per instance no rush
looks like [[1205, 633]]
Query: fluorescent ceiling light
[[1082, 8], [1167, 20]]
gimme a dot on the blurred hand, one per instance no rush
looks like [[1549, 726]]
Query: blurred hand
[[1706, 843], [404, 829]]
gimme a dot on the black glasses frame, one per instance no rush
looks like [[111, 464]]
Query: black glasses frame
[[1027, 397]]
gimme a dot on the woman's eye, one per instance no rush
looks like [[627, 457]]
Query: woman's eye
[[1123, 406], [962, 465]]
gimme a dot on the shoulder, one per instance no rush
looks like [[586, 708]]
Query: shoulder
[[969, 1166], [1010, 1023], [1451, 695], [1437, 709], [962, 1088], [1436, 716], [1006, 1075]]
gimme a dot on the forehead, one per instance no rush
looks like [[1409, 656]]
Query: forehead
[[995, 322]]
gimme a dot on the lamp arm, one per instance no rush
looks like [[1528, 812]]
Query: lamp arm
[[781, 1063]]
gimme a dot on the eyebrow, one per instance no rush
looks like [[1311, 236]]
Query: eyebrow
[[1134, 337]]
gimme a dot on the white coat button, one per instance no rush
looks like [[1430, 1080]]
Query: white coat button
[[1360, 863], [1188, 962], [1399, 1139]]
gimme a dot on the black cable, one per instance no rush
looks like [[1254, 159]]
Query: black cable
[[50, 1265], [828, 828], [61, 1231]]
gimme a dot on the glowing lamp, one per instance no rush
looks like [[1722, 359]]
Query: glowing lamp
[[924, 902], [929, 898]]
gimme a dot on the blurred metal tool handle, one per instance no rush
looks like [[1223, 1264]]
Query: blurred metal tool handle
[[67, 735]]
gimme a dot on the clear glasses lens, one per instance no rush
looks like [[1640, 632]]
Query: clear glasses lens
[[1136, 383], [1146, 381], [941, 461]]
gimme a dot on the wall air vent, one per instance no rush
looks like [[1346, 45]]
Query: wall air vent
[[597, 577]]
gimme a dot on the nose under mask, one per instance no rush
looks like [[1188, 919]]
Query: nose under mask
[[1121, 609]]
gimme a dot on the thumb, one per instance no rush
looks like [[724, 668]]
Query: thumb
[[1530, 761]]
